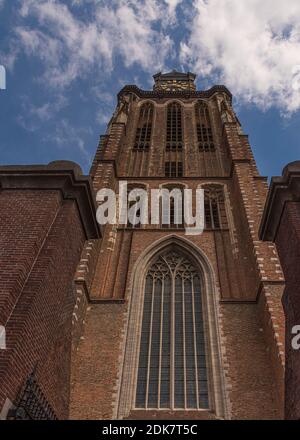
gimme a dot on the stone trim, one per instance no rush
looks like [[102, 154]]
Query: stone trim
[[210, 305], [174, 94], [63, 176]]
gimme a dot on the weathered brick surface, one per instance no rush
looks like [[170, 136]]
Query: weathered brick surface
[[249, 280], [94, 310], [41, 240], [281, 225], [39, 318], [248, 367], [288, 243], [96, 366]]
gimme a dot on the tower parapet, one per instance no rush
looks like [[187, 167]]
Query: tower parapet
[[174, 81]]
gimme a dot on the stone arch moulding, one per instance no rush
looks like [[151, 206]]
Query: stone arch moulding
[[146, 101], [228, 209], [129, 363], [174, 101]]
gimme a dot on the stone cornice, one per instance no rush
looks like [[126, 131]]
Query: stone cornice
[[186, 94], [282, 190], [63, 176]]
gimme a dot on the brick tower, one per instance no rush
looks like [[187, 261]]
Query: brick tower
[[168, 324]]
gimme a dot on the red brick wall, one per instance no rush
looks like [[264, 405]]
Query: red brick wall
[[41, 240], [288, 245], [247, 270], [252, 390], [249, 368], [96, 367]]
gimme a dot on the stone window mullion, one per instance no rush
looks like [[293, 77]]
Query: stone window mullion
[[176, 376]]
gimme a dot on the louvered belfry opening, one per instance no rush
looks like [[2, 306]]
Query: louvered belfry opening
[[174, 128], [174, 141], [214, 207], [175, 207], [204, 130], [139, 159], [144, 129], [172, 372], [132, 205], [174, 169]]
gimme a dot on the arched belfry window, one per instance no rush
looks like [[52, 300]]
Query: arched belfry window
[[144, 128], [172, 370], [132, 204], [214, 207], [174, 127], [204, 130], [176, 207]]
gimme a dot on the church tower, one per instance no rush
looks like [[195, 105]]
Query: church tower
[[170, 325]]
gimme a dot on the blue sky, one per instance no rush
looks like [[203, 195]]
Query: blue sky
[[67, 60]]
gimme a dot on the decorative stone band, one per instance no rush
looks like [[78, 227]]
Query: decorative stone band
[[174, 94], [282, 190], [64, 176]]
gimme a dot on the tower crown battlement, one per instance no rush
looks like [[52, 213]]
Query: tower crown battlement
[[174, 81]]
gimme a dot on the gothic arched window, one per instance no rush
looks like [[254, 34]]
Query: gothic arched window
[[204, 131], [132, 204], [214, 207], [174, 127], [175, 207], [144, 128], [172, 371]]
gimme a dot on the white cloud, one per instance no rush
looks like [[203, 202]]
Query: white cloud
[[171, 13], [70, 44], [252, 46], [33, 116], [103, 117], [67, 136]]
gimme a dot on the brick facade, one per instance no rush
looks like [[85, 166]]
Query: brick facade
[[281, 224], [72, 293], [247, 281], [47, 214]]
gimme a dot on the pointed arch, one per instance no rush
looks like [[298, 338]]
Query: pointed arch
[[214, 206], [204, 129], [144, 127], [130, 187], [174, 127], [216, 388], [174, 141]]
